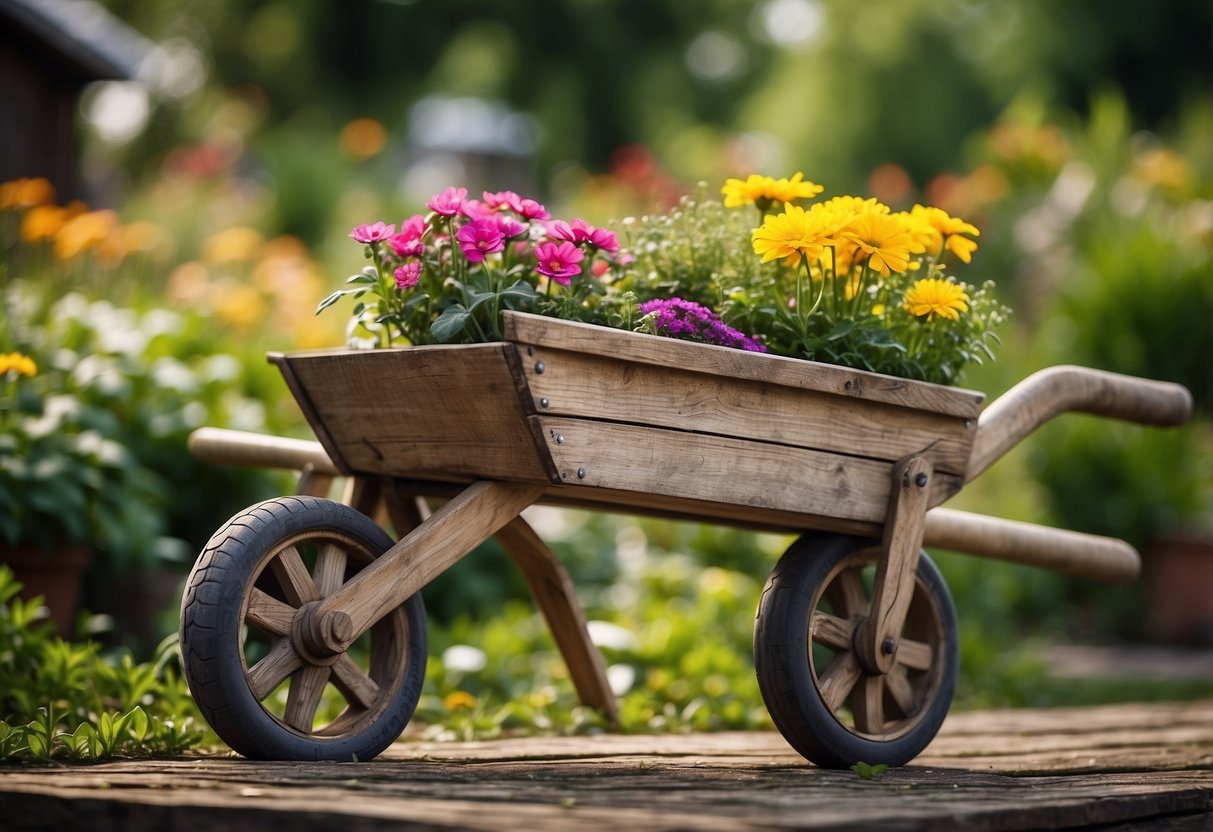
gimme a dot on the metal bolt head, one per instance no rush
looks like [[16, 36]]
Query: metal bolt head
[[544, 403], [560, 439], [921, 480], [539, 368], [580, 473], [888, 646]]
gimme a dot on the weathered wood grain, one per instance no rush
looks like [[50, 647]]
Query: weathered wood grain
[[553, 333], [431, 412], [986, 771], [601, 386], [719, 469]]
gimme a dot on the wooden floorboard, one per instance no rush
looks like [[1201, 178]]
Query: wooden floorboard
[[1116, 768]]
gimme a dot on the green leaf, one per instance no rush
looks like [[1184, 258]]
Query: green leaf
[[450, 323], [841, 330], [869, 772], [479, 299], [329, 301], [137, 723]]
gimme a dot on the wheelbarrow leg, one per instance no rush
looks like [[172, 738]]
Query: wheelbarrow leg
[[555, 596], [327, 627], [895, 571]]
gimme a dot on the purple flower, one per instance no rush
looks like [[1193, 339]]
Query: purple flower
[[408, 274], [372, 233], [678, 318], [479, 238], [559, 262], [448, 202]]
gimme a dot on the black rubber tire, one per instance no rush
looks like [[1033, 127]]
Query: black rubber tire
[[214, 630], [809, 577]]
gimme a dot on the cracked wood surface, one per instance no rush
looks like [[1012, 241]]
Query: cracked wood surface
[[1123, 766]]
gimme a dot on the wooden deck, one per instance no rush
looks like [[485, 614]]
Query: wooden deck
[[1113, 768]]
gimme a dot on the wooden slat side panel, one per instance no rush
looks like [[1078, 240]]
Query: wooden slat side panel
[[438, 412], [554, 333], [603, 387], [671, 463]]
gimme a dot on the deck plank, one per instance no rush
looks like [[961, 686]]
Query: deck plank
[[1148, 766]]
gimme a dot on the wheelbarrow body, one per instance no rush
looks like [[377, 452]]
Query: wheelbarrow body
[[855, 643]]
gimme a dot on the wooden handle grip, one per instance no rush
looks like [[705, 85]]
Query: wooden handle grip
[[1045, 394], [242, 448]]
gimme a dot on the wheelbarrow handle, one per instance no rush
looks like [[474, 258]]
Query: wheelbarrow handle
[[1055, 390]]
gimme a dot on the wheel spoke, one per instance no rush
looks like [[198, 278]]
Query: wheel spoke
[[839, 679], [848, 594], [867, 704], [307, 686], [916, 655], [901, 691], [293, 577], [355, 686], [330, 569], [831, 631], [267, 674], [268, 613]]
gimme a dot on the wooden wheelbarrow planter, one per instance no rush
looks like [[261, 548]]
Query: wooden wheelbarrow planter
[[855, 642]]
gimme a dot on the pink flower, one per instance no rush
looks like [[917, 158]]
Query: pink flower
[[372, 233], [529, 209], [559, 262], [447, 203], [408, 243], [408, 274], [503, 199], [474, 209], [480, 237], [604, 240], [578, 231], [510, 227]]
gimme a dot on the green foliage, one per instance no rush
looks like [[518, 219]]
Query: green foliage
[[67, 702], [866, 771]]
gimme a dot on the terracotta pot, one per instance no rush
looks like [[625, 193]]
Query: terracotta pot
[[1178, 573], [56, 576]]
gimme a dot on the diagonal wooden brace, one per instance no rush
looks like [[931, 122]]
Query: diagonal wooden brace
[[897, 569], [469, 519]]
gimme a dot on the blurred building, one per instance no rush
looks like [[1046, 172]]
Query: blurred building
[[50, 50]]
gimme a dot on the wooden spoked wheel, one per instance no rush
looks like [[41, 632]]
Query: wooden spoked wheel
[[828, 706], [261, 690]]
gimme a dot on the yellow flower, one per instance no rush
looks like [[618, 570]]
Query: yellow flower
[[763, 190], [42, 222], [857, 205], [459, 700], [798, 233], [932, 296], [239, 305], [885, 239], [232, 245], [83, 232], [23, 193], [17, 363], [934, 225]]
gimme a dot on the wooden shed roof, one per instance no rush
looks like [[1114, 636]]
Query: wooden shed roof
[[81, 37]]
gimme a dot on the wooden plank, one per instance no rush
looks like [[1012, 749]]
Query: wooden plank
[[991, 771], [554, 333], [602, 386], [717, 469], [441, 412]]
